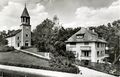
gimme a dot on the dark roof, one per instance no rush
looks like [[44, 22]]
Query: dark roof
[[13, 33], [88, 36], [25, 13]]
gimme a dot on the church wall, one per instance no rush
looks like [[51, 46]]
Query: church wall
[[18, 40], [11, 41]]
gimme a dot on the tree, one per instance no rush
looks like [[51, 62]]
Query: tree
[[41, 36], [3, 40], [51, 40]]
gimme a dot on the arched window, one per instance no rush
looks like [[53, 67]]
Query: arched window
[[26, 20], [18, 44], [23, 19]]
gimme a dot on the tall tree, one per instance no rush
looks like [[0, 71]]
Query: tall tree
[[42, 35]]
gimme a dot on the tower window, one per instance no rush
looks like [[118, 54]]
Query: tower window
[[26, 20], [23, 19]]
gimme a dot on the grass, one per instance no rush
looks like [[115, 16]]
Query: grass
[[18, 57], [34, 50]]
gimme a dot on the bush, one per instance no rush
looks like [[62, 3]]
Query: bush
[[72, 69], [6, 48], [24, 47]]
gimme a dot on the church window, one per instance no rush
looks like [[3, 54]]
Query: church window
[[18, 44], [18, 38]]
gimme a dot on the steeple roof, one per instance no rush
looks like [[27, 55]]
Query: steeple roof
[[25, 13]]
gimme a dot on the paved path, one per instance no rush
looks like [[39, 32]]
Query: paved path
[[86, 72], [38, 72], [34, 54]]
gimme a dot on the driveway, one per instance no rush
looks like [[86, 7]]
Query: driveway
[[86, 72]]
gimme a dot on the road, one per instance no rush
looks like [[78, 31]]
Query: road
[[85, 72]]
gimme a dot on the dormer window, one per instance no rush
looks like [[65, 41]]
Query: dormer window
[[80, 36]]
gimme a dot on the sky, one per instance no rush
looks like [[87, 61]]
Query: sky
[[71, 13]]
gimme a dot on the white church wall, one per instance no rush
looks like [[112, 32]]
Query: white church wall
[[18, 40], [11, 41]]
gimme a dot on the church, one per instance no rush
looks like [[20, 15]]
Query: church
[[22, 36]]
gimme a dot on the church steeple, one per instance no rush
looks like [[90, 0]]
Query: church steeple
[[25, 18]]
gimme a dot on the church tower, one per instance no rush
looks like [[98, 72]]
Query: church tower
[[26, 28]]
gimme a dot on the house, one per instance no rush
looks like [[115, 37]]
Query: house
[[87, 46], [22, 36]]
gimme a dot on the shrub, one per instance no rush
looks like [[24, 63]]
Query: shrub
[[24, 47], [6, 48], [72, 69]]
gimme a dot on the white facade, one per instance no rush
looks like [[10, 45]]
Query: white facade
[[87, 47], [15, 41], [88, 51]]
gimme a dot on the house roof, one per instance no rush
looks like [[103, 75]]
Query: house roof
[[25, 13], [88, 36], [13, 33]]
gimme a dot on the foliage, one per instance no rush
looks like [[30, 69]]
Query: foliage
[[47, 39], [72, 69], [111, 33], [6, 48], [3, 40], [102, 67], [42, 35], [24, 47]]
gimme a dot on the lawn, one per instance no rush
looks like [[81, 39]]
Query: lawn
[[17, 57], [34, 50]]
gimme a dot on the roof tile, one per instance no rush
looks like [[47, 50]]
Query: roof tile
[[88, 36]]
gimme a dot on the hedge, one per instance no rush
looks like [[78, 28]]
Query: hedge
[[6, 48], [25, 47], [72, 69]]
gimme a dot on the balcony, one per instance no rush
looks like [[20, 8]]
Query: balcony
[[85, 57], [85, 47], [103, 56]]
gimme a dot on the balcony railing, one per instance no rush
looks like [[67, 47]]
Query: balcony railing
[[85, 47], [85, 57]]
